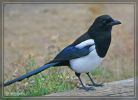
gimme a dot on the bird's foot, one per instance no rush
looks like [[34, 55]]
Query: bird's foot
[[96, 84], [87, 88]]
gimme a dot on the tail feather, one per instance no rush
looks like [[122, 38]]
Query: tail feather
[[29, 74]]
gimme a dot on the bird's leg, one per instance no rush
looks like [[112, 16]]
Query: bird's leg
[[83, 86], [93, 83]]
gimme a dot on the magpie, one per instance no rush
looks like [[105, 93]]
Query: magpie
[[84, 54]]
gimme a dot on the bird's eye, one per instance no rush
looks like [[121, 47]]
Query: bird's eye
[[107, 21], [104, 21]]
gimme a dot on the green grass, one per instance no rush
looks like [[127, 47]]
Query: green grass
[[11, 99], [102, 74], [53, 80], [49, 83]]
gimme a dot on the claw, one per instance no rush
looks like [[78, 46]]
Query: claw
[[87, 88], [96, 84]]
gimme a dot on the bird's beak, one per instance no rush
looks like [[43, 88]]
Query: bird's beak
[[115, 22]]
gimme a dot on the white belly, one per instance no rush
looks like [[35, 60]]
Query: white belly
[[86, 63]]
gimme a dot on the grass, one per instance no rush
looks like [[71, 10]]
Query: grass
[[49, 83], [41, 84], [11, 98], [102, 74]]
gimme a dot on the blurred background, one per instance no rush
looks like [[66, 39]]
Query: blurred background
[[35, 33]]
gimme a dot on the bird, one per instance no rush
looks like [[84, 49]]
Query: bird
[[84, 54]]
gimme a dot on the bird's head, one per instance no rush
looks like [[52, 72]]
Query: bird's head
[[103, 23]]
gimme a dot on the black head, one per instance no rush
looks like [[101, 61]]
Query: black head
[[103, 23], [100, 31]]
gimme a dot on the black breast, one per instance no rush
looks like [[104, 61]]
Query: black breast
[[102, 45]]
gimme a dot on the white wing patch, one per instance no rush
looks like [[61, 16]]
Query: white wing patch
[[85, 43]]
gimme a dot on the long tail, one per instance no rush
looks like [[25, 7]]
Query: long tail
[[27, 75]]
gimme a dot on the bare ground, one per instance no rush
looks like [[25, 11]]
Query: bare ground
[[116, 88]]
